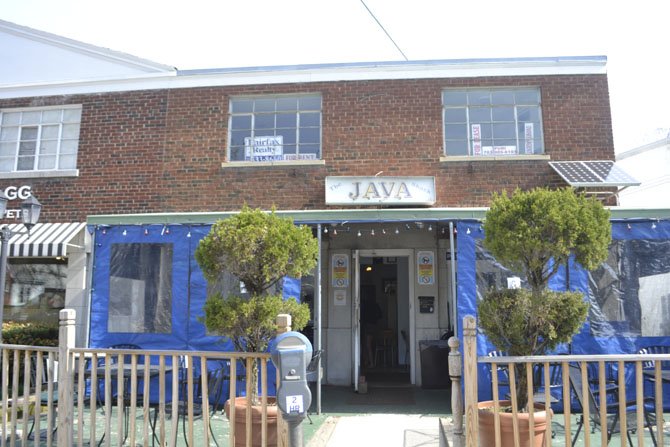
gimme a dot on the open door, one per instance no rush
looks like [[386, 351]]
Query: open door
[[356, 318]]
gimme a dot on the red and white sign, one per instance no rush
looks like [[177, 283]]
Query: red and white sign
[[476, 131]]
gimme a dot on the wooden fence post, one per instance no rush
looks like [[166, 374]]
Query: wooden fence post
[[66, 337], [455, 373], [470, 377], [283, 325]]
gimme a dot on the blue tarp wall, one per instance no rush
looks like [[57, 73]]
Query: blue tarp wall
[[629, 294], [183, 329]]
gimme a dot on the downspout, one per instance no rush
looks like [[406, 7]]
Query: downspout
[[453, 278], [317, 311]]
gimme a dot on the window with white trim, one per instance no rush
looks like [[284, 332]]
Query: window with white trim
[[275, 128], [492, 122], [39, 139]]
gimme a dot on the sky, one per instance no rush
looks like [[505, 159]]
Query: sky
[[241, 33]]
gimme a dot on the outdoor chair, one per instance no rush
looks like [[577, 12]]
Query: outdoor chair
[[612, 423]]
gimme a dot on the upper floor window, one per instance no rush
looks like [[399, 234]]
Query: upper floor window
[[39, 139], [280, 128], [492, 122]]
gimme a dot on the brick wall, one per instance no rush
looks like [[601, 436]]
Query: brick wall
[[161, 151]]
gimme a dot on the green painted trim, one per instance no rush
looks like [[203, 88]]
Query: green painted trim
[[349, 215]]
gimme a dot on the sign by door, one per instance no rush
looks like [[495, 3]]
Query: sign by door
[[425, 262], [380, 190], [340, 270]]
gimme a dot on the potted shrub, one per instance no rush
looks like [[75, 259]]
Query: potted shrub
[[260, 249], [535, 232]]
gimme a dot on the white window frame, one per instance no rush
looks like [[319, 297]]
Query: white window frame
[[55, 171], [317, 159], [520, 152]]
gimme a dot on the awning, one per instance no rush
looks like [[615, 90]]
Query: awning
[[46, 239]]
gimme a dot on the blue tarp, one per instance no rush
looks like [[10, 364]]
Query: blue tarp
[[628, 294], [180, 327]]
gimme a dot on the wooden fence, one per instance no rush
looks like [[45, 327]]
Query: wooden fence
[[589, 378], [127, 396]]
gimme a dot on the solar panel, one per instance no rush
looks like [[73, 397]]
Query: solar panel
[[592, 173]]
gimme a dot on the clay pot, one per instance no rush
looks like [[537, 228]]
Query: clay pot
[[256, 417], [487, 426]]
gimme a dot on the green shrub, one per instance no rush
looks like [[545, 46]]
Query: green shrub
[[29, 333]]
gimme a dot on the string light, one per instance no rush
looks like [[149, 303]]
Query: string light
[[325, 230], [125, 232], [383, 230], [188, 234], [104, 231], [334, 231], [167, 230], [359, 233], [407, 226], [372, 232], [397, 231], [653, 225], [430, 227], [467, 232], [629, 227], [146, 232]]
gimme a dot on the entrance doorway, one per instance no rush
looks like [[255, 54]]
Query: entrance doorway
[[384, 318]]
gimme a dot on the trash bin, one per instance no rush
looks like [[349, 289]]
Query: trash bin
[[434, 364]]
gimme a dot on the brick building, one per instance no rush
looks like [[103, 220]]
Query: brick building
[[383, 160]]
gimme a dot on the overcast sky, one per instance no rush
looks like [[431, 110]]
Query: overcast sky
[[239, 33]]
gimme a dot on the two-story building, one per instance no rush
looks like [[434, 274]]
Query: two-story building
[[391, 163]]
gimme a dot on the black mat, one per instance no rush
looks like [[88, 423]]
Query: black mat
[[383, 396]]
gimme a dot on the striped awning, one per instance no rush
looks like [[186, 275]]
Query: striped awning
[[46, 239]]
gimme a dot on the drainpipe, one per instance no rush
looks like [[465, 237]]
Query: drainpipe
[[453, 278], [317, 311]]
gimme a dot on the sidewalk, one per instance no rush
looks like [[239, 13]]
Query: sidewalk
[[389, 430]]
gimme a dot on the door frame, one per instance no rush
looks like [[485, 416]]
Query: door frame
[[355, 314]]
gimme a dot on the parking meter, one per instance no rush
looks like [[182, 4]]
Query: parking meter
[[291, 355]]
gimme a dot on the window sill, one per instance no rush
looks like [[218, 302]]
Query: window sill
[[41, 174], [450, 159], [265, 164]]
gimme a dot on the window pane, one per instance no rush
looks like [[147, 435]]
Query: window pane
[[241, 122], [68, 162], [26, 163], [7, 149], [242, 106], [289, 135], [49, 132], [69, 146], [504, 130], [10, 118], [31, 117], [310, 119], [264, 105], [455, 131], [502, 97], [479, 97], [6, 164], [265, 121], [310, 149], [286, 120], [503, 114], [480, 114], [527, 97], [457, 147], [27, 147], [140, 288], [47, 162], [528, 114], [310, 135], [9, 134], [37, 290], [28, 133], [486, 130], [72, 115], [289, 149], [48, 147], [287, 104], [309, 103], [52, 116], [237, 137], [452, 98], [237, 153], [455, 115], [70, 130]]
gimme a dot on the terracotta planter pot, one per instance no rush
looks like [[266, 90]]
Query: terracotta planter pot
[[256, 418], [487, 426]]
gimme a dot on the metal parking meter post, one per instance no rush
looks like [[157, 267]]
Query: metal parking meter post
[[291, 353]]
